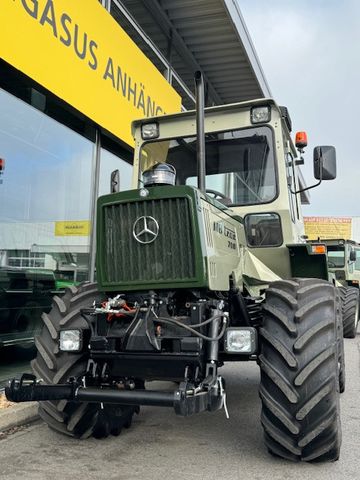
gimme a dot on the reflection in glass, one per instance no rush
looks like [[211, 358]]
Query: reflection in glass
[[46, 183], [108, 164]]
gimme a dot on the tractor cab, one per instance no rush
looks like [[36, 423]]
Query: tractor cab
[[251, 166]]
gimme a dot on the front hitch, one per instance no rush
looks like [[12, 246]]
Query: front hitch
[[27, 389], [187, 400]]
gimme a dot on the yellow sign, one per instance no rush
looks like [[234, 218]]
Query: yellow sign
[[328, 227], [76, 228], [76, 50]]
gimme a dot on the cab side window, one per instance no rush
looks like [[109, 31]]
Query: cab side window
[[357, 262], [263, 230]]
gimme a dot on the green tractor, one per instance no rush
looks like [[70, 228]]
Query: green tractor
[[203, 262], [344, 265]]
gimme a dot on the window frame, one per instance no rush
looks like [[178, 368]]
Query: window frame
[[263, 246], [249, 127]]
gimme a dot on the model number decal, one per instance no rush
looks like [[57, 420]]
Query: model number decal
[[232, 245], [219, 227]]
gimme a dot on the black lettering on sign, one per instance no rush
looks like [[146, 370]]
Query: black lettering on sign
[[48, 16], [93, 63], [64, 29], [31, 6], [70, 34], [63, 21], [141, 101], [121, 80], [109, 71], [80, 52], [132, 91], [150, 107]]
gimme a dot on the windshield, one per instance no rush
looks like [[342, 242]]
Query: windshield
[[336, 257], [239, 164]]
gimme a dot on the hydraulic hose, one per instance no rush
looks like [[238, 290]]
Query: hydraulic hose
[[193, 331]]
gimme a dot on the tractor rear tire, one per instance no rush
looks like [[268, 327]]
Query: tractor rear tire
[[299, 386], [340, 341], [350, 310], [80, 420]]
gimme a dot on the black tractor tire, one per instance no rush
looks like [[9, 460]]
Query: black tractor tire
[[350, 310], [80, 420], [299, 386], [340, 341]]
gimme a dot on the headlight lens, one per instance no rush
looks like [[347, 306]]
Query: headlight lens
[[70, 340], [149, 130], [260, 114], [241, 340]]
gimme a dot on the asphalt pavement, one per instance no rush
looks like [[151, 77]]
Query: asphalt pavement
[[161, 445]]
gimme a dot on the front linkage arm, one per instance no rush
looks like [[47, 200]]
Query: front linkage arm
[[186, 400]]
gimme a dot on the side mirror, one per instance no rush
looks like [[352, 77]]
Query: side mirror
[[115, 181], [324, 163], [352, 256]]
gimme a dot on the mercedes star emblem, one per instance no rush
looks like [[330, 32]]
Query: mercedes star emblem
[[145, 229]]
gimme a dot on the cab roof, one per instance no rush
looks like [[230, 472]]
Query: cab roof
[[218, 108]]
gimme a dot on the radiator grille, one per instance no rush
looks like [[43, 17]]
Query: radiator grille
[[169, 257]]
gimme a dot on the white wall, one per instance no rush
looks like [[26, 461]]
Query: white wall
[[39, 237]]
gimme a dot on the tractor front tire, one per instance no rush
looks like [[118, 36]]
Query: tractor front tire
[[299, 386], [350, 310], [80, 420]]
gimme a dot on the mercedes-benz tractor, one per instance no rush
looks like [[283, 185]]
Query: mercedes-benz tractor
[[203, 262]]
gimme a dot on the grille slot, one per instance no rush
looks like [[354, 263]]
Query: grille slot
[[169, 257], [209, 237]]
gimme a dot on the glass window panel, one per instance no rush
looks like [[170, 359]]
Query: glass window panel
[[357, 261], [240, 164], [336, 256], [109, 163], [46, 182], [263, 230]]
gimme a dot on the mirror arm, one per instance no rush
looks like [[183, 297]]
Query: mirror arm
[[312, 186], [307, 188]]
